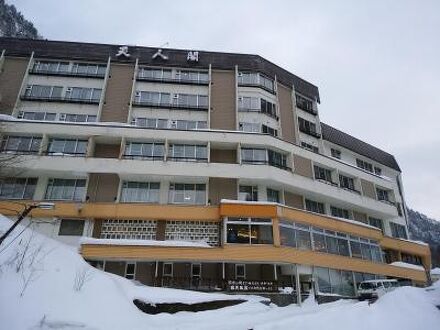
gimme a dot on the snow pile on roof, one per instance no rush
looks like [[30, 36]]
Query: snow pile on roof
[[407, 265], [52, 287], [140, 242]]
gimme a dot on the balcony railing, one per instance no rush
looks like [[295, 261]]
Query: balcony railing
[[59, 99], [351, 190], [170, 105], [266, 162], [331, 183], [270, 114], [188, 159], [174, 80], [311, 133], [258, 85], [64, 154], [141, 157], [306, 109], [67, 73]]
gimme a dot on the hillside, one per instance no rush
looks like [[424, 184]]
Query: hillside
[[13, 24], [47, 285], [423, 228]]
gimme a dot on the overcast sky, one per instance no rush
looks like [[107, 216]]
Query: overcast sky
[[376, 63]]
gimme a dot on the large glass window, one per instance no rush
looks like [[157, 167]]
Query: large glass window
[[378, 223], [188, 152], [323, 174], [287, 234], [248, 193], [273, 195], [147, 192], [190, 100], [89, 69], [66, 189], [83, 94], [150, 151], [17, 188], [43, 92], [21, 144], [50, 67], [155, 73], [153, 98], [250, 127], [382, 195], [77, 118], [31, 115], [255, 78], [334, 281], [71, 227], [307, 127], [347, 182], [67, 147], [313, 206], [187, 193], [339, 212], [304, 104], [249, 230], [253, 156], [398, 231], [192, 76], [364, 165]]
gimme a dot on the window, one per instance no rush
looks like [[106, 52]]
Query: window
[[307, 127], [364, 165], [188, 152], [277, 159], [43, 92], [196, 270], [336, 153], [30, 115], [268, 108], [67, 147], [153, 150], [71, 227], [247, 103], [153, 98], [378, 223], [188, 124], [287, 234], [398, 231], [167, 269], [150, 122], [83, 94], [187, 193], [254, 78], [248, 193], [347, 182], [339, 212], [130, 270], [77, 118], [89, 69], [303, 239], [323, 174], [17, 188], [50, 67], [316, 207], [382, 195], [249, 231], [240, 271], [310, 147], [147, 192], [273, 195], [21, 144], [155, 73], [377, 170], [192, 76], [304, 104], [190, 100], [269, 130], [66, 189], [249, 127], [253, 156]]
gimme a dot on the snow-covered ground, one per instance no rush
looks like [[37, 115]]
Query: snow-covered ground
[[47, 285]]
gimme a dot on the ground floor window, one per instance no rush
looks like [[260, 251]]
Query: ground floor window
[[71, 227], [249, 230], [130, 270], [196, 270], [240, 271], [334, 281], [167, 269]]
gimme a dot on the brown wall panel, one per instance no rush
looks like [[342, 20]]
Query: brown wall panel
[[97, 226], [160, 230], [107, 150], [115, 267], [11, 78], [302, 166], [286, 113], [118, 93], [103, 187], [223, 100], [293, 200], [222, 188], [368, 189], [145, 272], [223, 156]]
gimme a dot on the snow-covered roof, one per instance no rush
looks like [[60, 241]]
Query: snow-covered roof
[[407, 265]]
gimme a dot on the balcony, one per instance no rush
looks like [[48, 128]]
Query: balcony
[[310, 132], [266, 162], [267, 113], [99, 75], [161, 105], [188, 159], [59, 99], [306, 108]]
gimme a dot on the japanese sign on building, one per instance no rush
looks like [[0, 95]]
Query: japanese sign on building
[[123, 51], [193, 56], [251, 286]]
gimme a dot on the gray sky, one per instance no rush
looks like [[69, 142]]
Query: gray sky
[[376, 63]]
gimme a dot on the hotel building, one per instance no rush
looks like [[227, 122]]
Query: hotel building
[[196, 169]]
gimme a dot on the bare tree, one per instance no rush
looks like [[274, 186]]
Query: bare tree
[[82, 276]]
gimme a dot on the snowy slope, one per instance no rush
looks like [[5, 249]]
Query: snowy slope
[[50, 300]]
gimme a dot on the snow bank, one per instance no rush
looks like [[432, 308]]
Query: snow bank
[[104, 301]]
